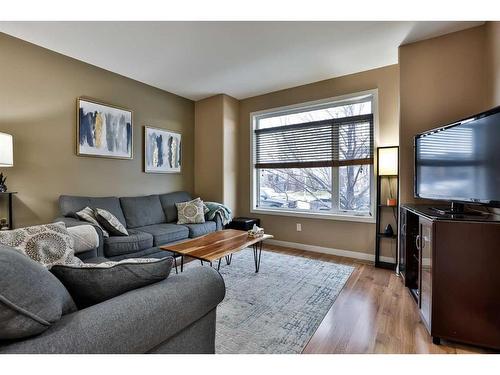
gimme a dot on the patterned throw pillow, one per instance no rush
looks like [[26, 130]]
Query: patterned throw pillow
[[48, 244], [87, 214], [110, 222], [191, 212]]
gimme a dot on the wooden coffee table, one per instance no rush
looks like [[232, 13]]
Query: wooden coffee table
[[217, 245]]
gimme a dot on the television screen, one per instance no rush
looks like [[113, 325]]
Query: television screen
[[460, 162]]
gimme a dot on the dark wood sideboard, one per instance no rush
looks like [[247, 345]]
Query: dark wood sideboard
[[451, 266]]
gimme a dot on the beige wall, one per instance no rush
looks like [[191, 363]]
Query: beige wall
[[493, 61], [230, 150], [352, 236], [216, 125], [208, 145], [442, 80], [38, 107]]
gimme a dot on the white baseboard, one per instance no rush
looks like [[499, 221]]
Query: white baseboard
[[329, 250]]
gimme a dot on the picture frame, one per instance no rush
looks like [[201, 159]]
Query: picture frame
[[104, 130], [162, 150]]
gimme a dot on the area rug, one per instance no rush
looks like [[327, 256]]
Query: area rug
[[277, 310]]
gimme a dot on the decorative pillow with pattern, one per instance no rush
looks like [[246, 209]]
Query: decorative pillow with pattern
[[191, 212], [110, 222], [48, 244], [89, 284], [87, 214]]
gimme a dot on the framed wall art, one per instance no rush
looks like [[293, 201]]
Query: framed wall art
[[103, 130], [162, 151]]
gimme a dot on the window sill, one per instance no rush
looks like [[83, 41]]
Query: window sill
[[316, 215]]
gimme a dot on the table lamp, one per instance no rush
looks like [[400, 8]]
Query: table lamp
[[6, 157], [388, 166]]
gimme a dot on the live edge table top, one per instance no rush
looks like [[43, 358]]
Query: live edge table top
[[215, 245]]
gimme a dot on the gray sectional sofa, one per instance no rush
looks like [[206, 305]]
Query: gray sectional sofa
[[176, 315], [150, 220]]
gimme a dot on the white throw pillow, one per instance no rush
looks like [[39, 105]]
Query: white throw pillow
[[84, 238]]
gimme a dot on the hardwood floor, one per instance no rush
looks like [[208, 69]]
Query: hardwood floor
[[374, 313]]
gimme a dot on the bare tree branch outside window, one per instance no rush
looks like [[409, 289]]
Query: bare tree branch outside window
[[312, 188]]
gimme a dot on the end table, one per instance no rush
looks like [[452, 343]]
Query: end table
[[8, 195]]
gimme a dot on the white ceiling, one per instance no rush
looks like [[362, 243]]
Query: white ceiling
[[242, 59]]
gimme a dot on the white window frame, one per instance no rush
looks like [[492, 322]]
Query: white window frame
[[302, 107]]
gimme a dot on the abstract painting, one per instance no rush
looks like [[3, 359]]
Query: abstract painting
[[162, 151], [103, 130]]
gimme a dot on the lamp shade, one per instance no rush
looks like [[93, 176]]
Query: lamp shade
[[6, 150], [388, 161]]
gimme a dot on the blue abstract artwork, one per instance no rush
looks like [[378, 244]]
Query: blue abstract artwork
[[104, 130], [162, 151]]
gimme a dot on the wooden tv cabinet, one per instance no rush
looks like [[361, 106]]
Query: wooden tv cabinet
[[451, 266]]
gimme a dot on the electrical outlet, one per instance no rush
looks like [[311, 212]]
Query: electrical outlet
[[299, 227]]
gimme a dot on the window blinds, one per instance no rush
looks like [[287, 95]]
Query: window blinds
[[327, 143]]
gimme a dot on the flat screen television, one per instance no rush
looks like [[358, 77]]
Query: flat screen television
[[460, 162]]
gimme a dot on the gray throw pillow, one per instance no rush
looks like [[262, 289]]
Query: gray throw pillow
[[47, 244], [110, 222], [89, 284], [87, 214], [191, 212], [31, 298]]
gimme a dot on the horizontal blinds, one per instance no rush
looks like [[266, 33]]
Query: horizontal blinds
[[334, 142]]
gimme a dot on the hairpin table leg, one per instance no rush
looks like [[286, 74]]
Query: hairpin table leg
[[257, 252], [175, 264]]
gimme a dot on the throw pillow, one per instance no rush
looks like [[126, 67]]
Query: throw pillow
[[31, 298], [47, 244], [110, 222], [191, 212], [87, 214], [85, 238], [89, 284]]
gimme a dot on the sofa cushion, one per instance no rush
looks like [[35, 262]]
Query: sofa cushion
[[168, 202], [69, 205], [31, 298], [93, 283], [135, 241], [142, 211], [165, 233], [196, 230]]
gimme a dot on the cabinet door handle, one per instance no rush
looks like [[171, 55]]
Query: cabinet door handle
[[417, 241], [404, 228]]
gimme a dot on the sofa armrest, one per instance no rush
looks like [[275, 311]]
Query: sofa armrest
[[72, 222], [134, 322], [218, 222]]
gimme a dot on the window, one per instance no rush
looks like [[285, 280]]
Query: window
[[315, 159]]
